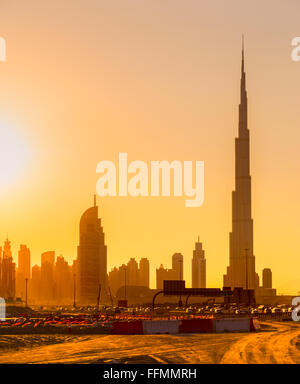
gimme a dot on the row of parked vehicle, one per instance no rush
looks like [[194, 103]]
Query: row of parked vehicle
[[258, 310], [208, 310]]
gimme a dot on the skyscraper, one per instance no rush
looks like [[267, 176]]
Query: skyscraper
[[198, 267], [132, 272], [241, 270], [23, 271], [144, 273], [267, 278], [35, 286], [177, 265], [176, 273], [63, 280], [8, 272], [92, 258], [47, 277]]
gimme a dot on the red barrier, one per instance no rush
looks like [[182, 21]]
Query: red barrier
[[196, 325], [127, 327]]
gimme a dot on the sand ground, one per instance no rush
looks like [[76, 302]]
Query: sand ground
[[277, 342]]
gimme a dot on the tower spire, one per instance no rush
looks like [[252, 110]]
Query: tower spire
[[241, 236], [95, 200], [243, 123], [243, 55]]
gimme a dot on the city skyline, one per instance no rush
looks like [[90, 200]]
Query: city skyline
[[52, 280], [90, 272], [80, 88]]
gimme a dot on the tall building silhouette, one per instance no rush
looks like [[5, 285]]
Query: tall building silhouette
[[92, 258], [8, 272], [53, 282], [177, 265], [144, 272], [47, 276], [63, 281], [36, 285], [241, 270], [198, 267], [176, 273], [116, 278], [267, 278], [132, 272], [23, 272]]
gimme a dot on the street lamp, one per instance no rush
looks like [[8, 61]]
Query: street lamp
[[246, 251], [26, 281], [180, 278], [247, 276], [74, 278], [125, 270]]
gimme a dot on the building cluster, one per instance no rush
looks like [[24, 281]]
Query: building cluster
[[49, 283], [52, 282], [87, 280], [131, 274], [175, 273]]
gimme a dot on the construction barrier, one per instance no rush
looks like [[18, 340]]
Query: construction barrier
[[130, 327], [232, 325], [127, 327], [203, 325], [196, 325], [160, 327]]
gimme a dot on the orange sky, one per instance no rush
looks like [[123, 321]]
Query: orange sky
[[87, 79]]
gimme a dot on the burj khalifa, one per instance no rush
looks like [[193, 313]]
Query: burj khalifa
[[241, 269]]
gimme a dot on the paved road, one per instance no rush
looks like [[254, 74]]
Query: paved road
[[276, 343]]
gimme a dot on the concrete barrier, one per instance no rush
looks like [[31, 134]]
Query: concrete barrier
[[127, 327], [160, 327], [196, 326], [232, 325], [202, 325]]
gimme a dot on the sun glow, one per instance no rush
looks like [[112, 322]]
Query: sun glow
[[14, 156]]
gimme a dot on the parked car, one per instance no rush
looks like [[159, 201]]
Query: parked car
[[242, 311], [276, 310], [260, 309], [267, 310], [218, 311]]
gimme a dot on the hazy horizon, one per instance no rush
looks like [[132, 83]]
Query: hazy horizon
[[160, 81]]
